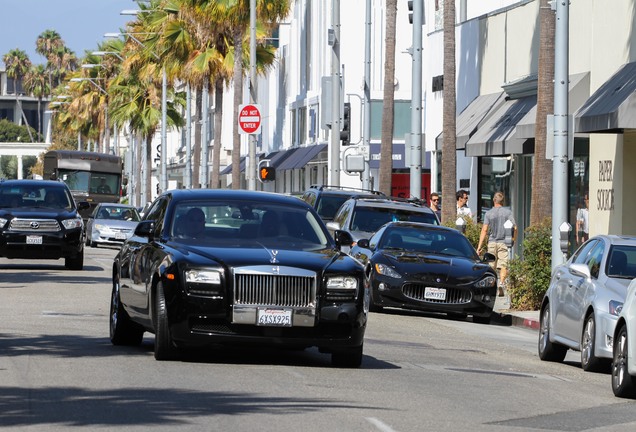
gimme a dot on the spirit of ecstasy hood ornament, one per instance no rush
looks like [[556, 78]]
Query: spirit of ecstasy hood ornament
[[273, 254]]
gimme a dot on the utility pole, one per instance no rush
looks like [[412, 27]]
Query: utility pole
[[164, 138], [415, 140], [187, 175], [250, 171], [560, 158], [204, 141], [366, 131], [334, 41]]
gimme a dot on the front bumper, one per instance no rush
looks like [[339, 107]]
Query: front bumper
[[606, 324], [204, 321], [463, 300], [54, 245]]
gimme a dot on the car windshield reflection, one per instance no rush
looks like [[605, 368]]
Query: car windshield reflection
[[247, 225], [428, 242]]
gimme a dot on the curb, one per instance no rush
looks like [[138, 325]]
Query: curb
[[512, 318]]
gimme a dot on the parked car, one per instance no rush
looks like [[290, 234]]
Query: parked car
[[40, 220], [328, 199], [624, 347], [581, 306], [111, 224], [362, 217], [411, 265], [234, 266]]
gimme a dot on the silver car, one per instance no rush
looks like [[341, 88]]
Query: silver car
[[585, 297], [111, 224], [624, 364]]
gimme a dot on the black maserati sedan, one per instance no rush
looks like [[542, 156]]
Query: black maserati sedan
[[420, 266], [208, 267]]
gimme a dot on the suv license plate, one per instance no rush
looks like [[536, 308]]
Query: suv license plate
[[33, 239], [274, 317], [435, 293]]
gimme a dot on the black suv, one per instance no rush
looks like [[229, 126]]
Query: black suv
[[328, 199], [40, 220], [361, 217]]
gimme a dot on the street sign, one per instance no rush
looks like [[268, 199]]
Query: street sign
[[249, 119]]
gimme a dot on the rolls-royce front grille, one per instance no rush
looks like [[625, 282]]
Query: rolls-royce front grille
[[453, 295], [34, 225], [274, 290]]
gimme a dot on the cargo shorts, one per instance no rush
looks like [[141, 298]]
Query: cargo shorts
[[500, 251]]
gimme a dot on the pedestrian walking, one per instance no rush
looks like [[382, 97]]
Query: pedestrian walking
[[462, 204], [583, 222], [435, 205], [493, 228]]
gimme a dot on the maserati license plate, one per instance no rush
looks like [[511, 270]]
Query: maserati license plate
[[274, 317], [33, 239], [435, 293]]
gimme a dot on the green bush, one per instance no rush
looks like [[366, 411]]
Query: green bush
[[529, 275], [473, 229]]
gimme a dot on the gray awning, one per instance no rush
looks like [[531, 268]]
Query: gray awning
[[301, 157], [228, 169], [613, 106], [579, 91], [469, 120], [495, 137], [278, 157]]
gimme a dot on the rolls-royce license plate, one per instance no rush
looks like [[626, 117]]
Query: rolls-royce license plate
[[435, 293], [274, 317]]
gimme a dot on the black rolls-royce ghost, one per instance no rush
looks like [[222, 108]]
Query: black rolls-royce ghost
[[412, 265], [231, 266]]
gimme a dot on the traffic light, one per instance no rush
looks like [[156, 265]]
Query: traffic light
[[266, 173], [345, 133]]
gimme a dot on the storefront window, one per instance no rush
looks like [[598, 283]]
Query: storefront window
[[495, 175], [579, 181]]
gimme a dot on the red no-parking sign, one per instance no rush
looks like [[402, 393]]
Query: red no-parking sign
[[249, 119]]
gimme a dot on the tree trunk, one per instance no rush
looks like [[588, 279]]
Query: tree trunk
[[148, 172], [386, 144], [542, 167], [196, 153], [215, 183], [238, 99], [449, 146]]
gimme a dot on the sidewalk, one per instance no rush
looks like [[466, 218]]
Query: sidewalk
[[503, 314]]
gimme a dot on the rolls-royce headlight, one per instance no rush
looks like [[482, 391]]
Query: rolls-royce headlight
[[3, 222], [387, 271], [72, 223], [203, 276], [342, 282], [487, 282]]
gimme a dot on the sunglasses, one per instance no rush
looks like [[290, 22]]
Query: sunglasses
[[435, 200]]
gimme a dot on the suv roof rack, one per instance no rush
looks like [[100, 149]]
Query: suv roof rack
[[345, 188]]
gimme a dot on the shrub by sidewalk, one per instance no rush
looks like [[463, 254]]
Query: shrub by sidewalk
[[529, 275]]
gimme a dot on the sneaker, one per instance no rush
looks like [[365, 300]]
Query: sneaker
[[500, 292]]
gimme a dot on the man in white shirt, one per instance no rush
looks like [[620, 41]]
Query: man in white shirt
[[462, 204]]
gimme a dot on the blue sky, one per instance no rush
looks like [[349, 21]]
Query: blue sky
[[80, 23]]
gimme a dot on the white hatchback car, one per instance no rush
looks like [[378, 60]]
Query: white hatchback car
[[624, 364], [586, 294]]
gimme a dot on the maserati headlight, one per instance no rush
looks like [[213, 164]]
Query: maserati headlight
[[72, 223], [487, 282], [203, 276], [387, 271], [342, 282]]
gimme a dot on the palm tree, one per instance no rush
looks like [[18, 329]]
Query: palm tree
[[17, 65], [542, 169], [47, 43], [386, 143], [238, 18], [36, 82], [449, 145]]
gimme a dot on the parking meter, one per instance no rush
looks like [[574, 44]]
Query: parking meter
[[564, 236], [509, 233], [460, 225]]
